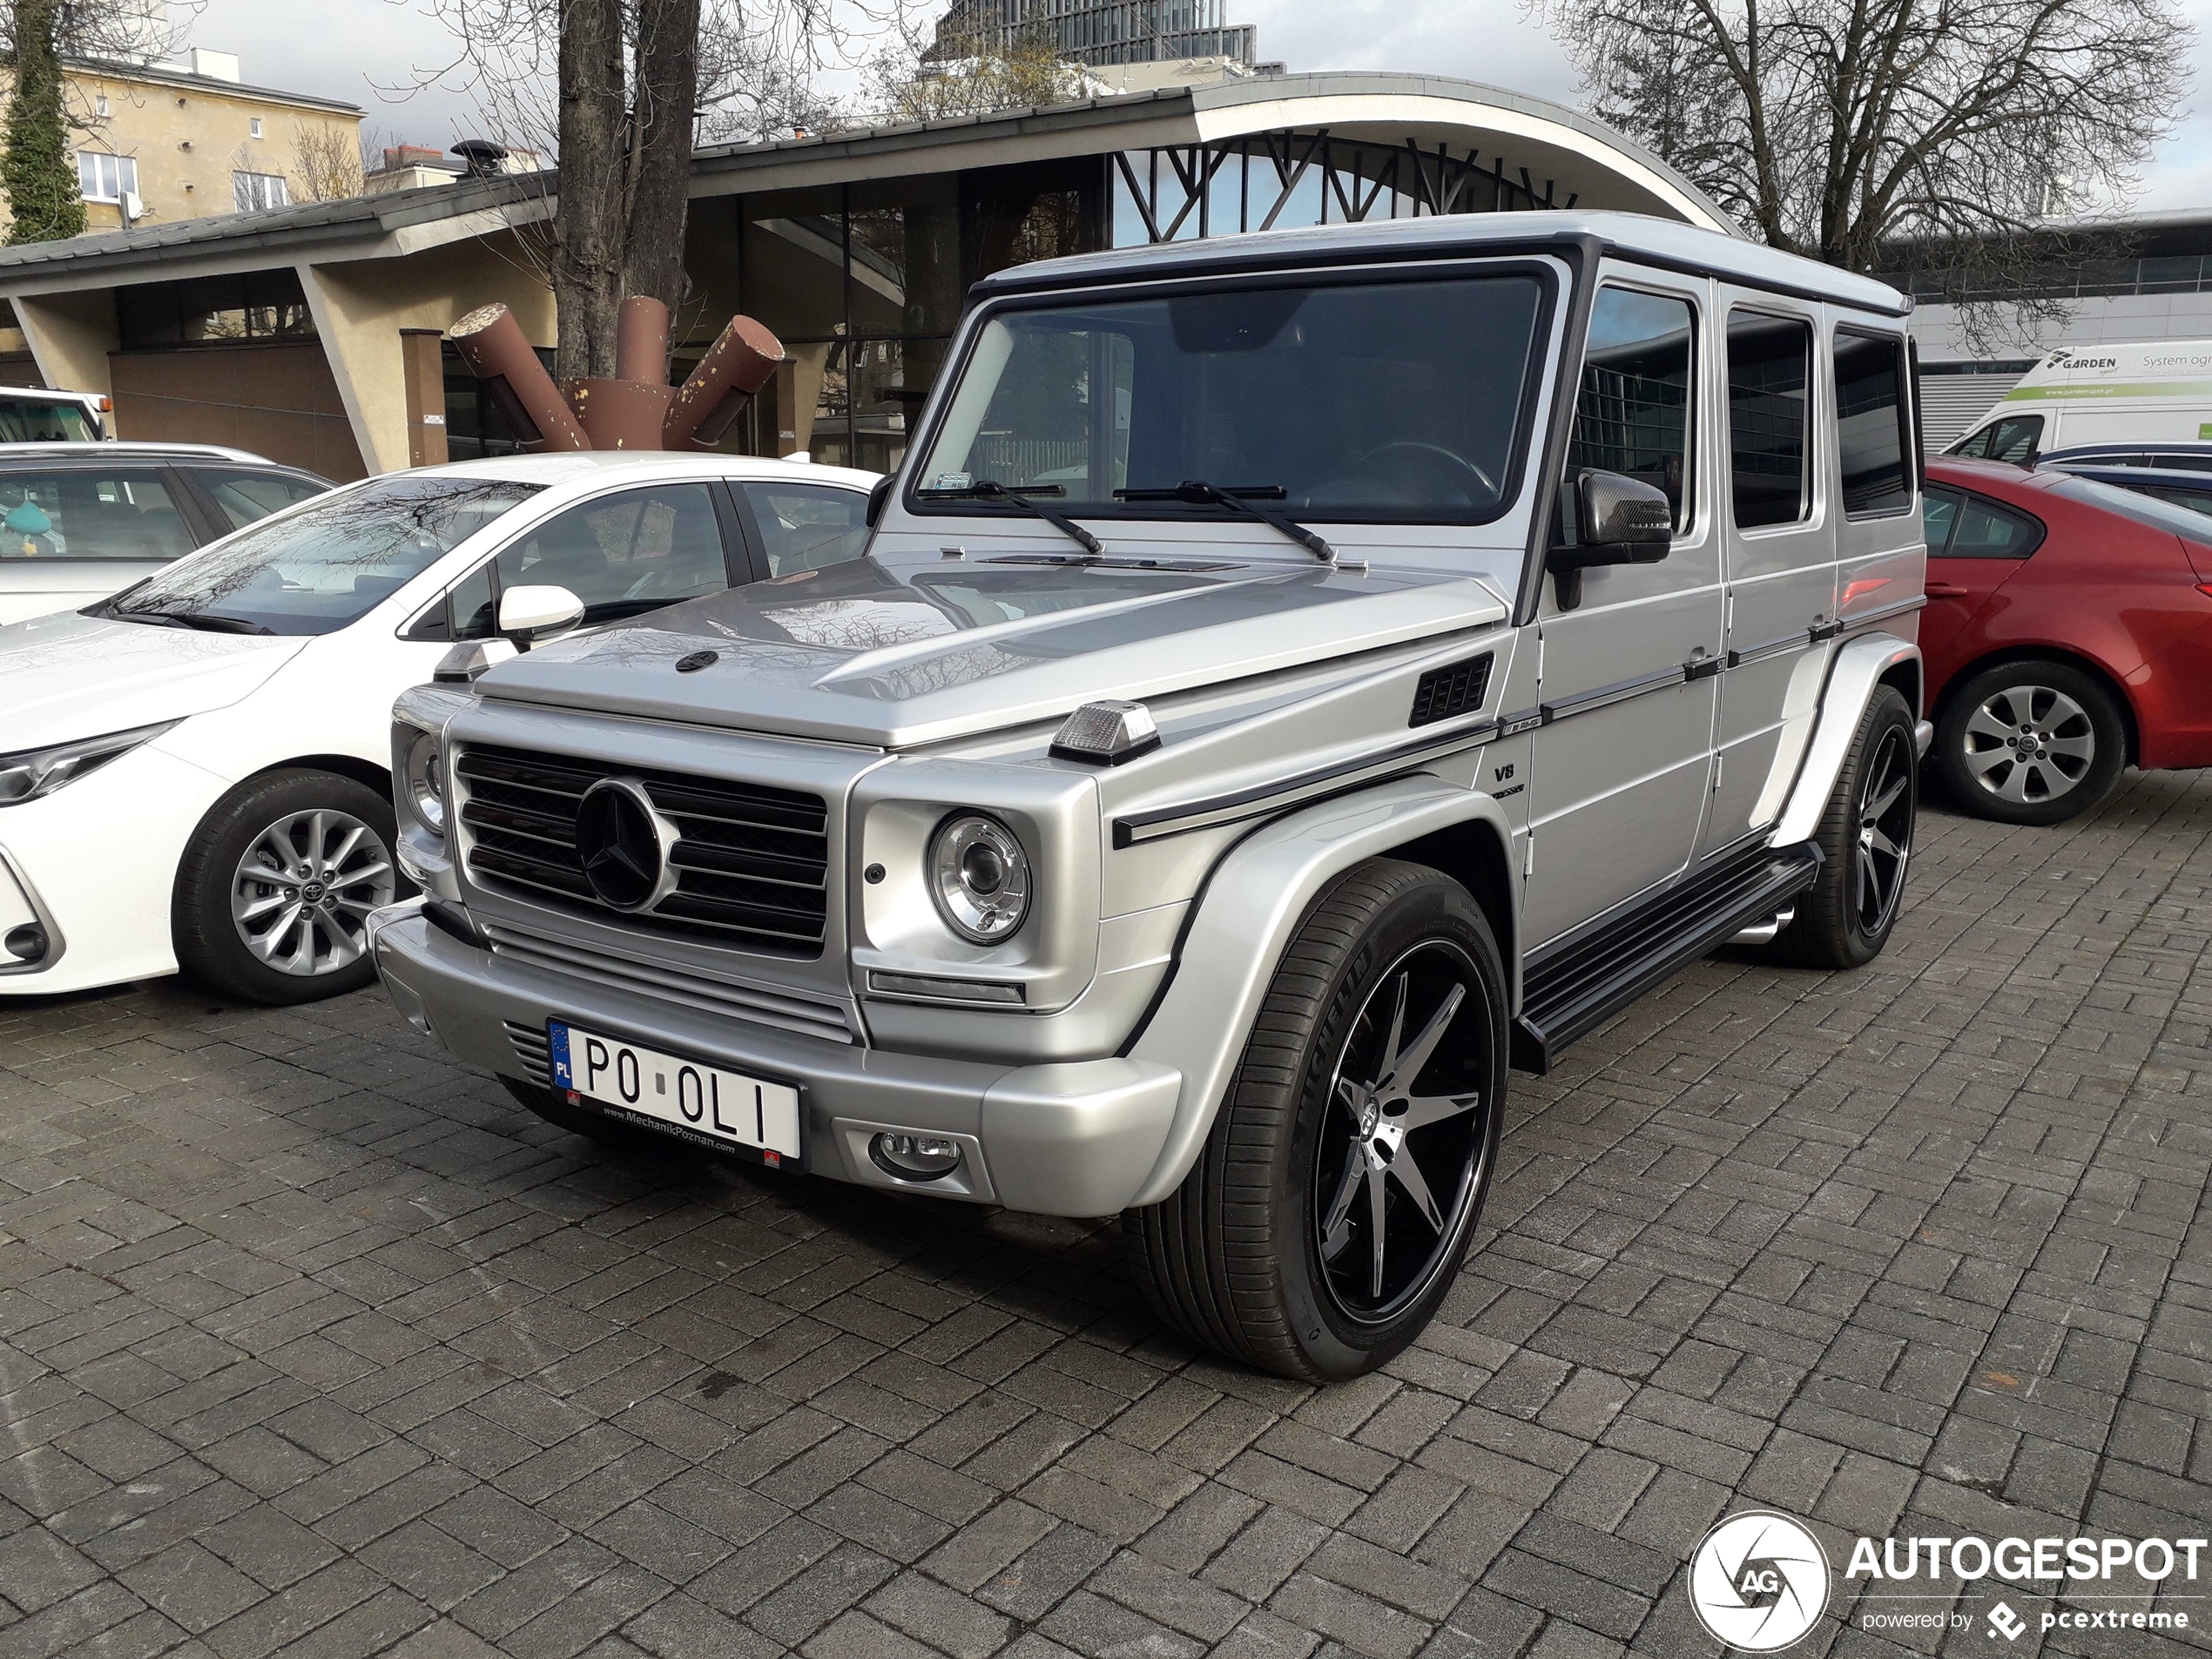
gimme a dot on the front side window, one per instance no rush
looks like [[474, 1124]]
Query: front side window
[[1769, 366], [1939, 517], [104, 178], [622, 555], [1397, 401], [245, 496], [1633, 416], [250, 191], [326, 563], [90, 514], [2014, 439], [805, 527], [1873, 434]]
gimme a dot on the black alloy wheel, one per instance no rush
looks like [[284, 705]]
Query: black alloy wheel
[[1341, 1182], [1403, 1153]]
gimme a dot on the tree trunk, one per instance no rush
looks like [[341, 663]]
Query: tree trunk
[[665, 85], [591, 223]]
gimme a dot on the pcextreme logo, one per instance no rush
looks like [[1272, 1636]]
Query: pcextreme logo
[[1760, 1581]]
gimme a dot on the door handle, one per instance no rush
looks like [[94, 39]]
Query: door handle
[[1947, 590]]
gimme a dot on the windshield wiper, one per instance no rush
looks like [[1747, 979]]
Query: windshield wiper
[[205, 621], [1018, 496], [1199, 493]]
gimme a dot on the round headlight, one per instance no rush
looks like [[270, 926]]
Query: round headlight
[[423, 784], [980, 877]]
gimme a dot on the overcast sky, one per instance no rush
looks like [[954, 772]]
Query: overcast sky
[[352, 49]]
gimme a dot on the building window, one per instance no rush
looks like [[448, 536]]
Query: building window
[[250, 191], [105, 178], [213, 311], [254, 127], [100, 105]]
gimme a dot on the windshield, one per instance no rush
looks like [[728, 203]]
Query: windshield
[[1397, 401], [316, 568], [34, 420]]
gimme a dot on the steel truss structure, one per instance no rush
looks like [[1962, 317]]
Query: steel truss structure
[[1363, 179]]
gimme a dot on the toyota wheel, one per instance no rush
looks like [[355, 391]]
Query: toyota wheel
[[2031, 743], [1334, 1199], [274, 893]]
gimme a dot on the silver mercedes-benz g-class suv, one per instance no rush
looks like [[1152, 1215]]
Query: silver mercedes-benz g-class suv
[[1291, 679]]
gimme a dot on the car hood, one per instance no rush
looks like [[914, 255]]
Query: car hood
[[67, 676], [896, 656]]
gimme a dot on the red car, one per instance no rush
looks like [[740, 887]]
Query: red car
[[2068, 633]]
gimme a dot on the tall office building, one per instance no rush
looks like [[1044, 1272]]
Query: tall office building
[[1102, 32]]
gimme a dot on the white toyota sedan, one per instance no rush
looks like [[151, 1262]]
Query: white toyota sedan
[[194, 773]]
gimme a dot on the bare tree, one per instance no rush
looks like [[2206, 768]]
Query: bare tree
[[326, 163], [615, 88], [1842, 128], [926, 75]]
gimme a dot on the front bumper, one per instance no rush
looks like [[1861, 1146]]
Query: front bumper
[[1073, 1138]]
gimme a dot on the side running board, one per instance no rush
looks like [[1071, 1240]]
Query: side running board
[[1574, 986]]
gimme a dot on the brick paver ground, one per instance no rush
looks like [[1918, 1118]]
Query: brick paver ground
[[312, 1343]]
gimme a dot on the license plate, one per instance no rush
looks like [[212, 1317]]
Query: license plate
[[725, 1107]]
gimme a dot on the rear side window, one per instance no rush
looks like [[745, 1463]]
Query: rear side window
[[1985, 530], [805, 527], [1633, 416], [244, 497], [1770, 366], [1939, 518], [90, 513], [1873, 440]]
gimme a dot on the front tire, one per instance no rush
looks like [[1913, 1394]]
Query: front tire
[[1865, 841], [274, 893], [1332, 1204], [2031, 743]]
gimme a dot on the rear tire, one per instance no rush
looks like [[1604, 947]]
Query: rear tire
[[1333, 1201], [1865, 841], [273, 893], [2072, 720]]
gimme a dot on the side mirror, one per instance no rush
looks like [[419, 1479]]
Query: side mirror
[[879, 496], [528, 615], [1617, 519]]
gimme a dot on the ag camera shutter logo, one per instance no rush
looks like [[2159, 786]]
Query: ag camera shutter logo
[[1758, 1582]]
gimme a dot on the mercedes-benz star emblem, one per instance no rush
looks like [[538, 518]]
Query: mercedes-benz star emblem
[[622, 844]]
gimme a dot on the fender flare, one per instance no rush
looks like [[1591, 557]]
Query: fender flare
[[1252, 904], [1861, 664]]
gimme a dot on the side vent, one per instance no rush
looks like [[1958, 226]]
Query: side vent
[[1456, 689]]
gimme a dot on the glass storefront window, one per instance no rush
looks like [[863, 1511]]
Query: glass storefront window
[[891, 379], [905, 263], [794, 258]]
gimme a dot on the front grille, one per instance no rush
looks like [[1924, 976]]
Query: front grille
[[603, 969], [752, 860], [1457, 688]]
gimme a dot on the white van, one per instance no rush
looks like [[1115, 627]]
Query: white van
[[2153, 391], [33, 415]]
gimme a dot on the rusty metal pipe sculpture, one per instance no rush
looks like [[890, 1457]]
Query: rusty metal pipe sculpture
[[636, 409]]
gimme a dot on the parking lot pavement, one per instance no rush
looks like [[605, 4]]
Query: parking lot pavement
[[312, 1343]]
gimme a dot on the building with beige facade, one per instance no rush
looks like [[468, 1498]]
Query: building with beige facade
[[156, 142]]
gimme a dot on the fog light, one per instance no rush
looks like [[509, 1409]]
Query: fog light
[[26, 943], [915, 1158]]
